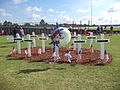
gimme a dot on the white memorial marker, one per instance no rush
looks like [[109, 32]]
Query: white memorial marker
[[74, 37], [102, 41], [91, 37], [18, 39], [29, 44], [34, 36], [43, 42], [79, 42], [79, 45]]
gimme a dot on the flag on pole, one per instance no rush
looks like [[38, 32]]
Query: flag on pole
[[72, 46], [26, 52], [79, 56], [106, 57], [68, 55], [39, 51], [91, 49], [13, 50]]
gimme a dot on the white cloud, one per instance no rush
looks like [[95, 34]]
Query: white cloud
[[33, 9], [82, 11], [36, 17], [4, 13], [115, 7], [51, 10], [109, 16], [65, 18], [19, 1]]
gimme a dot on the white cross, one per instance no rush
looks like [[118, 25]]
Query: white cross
[[29, 44], [18, 44], [91, 37], [74, 37], [79, 42], [34, 36], [18, 39], [43, 42], [102, 41]]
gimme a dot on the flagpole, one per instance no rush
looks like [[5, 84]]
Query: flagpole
[[91, 12]]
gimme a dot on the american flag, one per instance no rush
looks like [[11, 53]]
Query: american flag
[[79, 56], [13, 50], [26, 52], [91, 49], [68, 55], [106, 57], [39, 51], [71, 46]]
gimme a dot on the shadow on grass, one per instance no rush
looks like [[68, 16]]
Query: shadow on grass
[[3, 46], [27, 71], [8, 43], [73, 65], [13, 59]]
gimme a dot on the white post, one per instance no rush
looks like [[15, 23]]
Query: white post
[[19, 47], [79, 45], [74, 48], [34, 42], [29, 46], [91, 40], [43, 44], [18, 39], [102, 48]]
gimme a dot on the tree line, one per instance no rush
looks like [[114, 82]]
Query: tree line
[[9, 23]]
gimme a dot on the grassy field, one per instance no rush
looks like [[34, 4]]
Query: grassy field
[[95, 28], [16, 74]]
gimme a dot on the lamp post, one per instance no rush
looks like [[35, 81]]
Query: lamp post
[[91, 12]]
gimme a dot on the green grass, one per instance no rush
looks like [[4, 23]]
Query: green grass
[[16, 74], [95, 28]]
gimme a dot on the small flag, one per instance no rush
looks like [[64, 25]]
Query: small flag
[[71, 46], [91, 49], [68, 55], [26, 51], [106, 57], [39, 51], [13, 50], [79, 56]]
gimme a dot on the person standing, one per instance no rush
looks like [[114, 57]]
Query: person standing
[[15, 31], [22, 33], [111, 30]]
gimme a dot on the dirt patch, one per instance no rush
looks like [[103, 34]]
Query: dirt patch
[[88, 58]]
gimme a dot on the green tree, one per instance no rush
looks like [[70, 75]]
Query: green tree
[[43, 23], [15, 24], [0, 24], [36, 25], [27, 24], [7, 23]]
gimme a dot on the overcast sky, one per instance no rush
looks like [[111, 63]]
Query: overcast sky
[[62, 11]]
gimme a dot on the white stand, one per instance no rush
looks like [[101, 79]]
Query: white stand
[[79, 44], [18, 39], [56, 54], [34, 42], [91, 40], [102, 48], [19, 47], [74, 48], [29, 46], [43, 44], [102, 41]]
